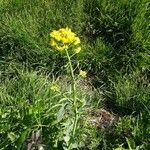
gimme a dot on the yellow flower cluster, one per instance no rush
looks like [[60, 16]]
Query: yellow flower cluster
[[55, 88], [63, 38], [83, 73]]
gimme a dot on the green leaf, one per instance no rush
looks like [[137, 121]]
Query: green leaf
[[22, 138], [61, 113], [12, 136], [131, 143]]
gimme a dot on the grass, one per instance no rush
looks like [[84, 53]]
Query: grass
[[115, 40]]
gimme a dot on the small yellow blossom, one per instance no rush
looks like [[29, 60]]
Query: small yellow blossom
[[61, 39], [77, 41], [83, 73], [77, 50], [55, 35], [53, 42], [61, 48], [55, 88]]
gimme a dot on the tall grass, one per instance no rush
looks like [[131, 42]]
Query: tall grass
[[115, 53]]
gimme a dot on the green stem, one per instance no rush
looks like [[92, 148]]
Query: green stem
[[73, 94], [75, 122], [72, 75]]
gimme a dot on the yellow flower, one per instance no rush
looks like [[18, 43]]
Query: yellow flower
[[61, 39], [83, 73], [55, 35], [77, 41], [53, 42], [61, 48], [55, 88], [77, 50]]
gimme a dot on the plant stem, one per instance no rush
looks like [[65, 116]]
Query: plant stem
[[72, 75], [73, 93]]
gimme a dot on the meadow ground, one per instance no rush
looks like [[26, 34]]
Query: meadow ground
[[109, 109]]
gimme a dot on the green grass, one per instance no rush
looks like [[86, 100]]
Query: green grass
[[115, 40]]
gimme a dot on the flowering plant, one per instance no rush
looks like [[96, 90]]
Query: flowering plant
[[63, 39]]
